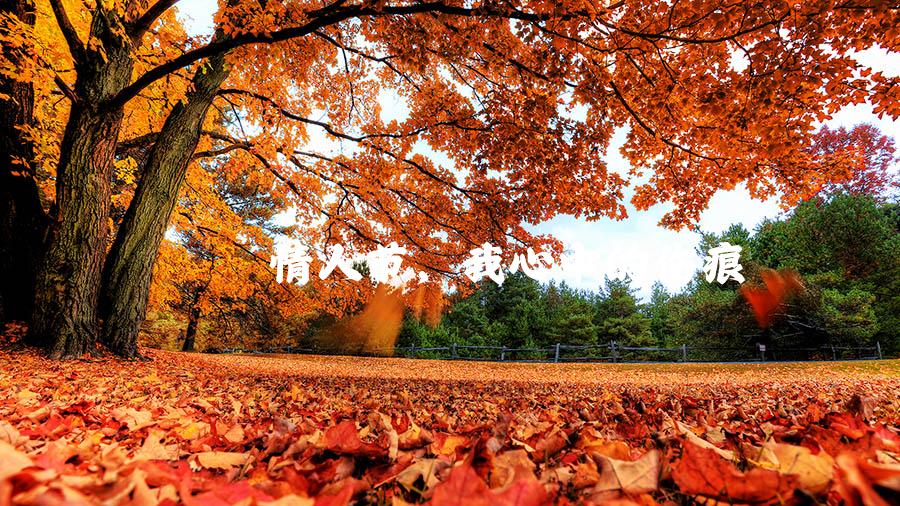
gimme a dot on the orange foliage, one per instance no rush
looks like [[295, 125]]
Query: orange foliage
[[375, 328], [503, 117], [871, 172]]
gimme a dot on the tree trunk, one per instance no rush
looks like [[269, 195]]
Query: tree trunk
[[190, 335], [22, 218], [129, 267], [67, 285]]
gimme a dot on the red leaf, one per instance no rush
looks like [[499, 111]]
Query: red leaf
[[344, 439], [701, 471], [465, 488]]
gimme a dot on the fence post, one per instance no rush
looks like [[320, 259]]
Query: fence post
[[878, 347], [503, 354], [762, 352], [833, 353], [556, 355], [684, 352], [453, 350], [615, 354], [412, 351]]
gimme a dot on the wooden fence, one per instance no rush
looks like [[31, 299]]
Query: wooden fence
[[611, 352]]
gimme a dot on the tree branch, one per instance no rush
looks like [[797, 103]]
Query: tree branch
[[221, 151], [76, 47], [64, 88], [364, 141], [320, 19], [138, 27]]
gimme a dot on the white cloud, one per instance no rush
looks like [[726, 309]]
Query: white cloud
[[197, 15], [637, 246]]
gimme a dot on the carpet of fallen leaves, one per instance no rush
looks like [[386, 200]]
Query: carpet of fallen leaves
[[210, 430]]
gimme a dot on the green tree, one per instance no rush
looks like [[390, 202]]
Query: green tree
[[841, 245], [715, 315], [617, 315], [659, 312], [850, 316], [417, 333], [469, 320], [710, 316], [514, 308], [570, 316]]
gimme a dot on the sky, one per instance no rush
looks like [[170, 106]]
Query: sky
[[638, 246]]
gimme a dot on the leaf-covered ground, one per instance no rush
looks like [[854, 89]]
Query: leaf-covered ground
[[209, 430]]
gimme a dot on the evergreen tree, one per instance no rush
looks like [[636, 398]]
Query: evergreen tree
[[847, 250], [617, 316], [658, 310], [570, 316]]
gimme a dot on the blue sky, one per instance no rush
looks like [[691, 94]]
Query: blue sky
[[637, 246]]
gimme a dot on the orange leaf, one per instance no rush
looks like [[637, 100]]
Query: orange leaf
[[344, 439], [701, 471]]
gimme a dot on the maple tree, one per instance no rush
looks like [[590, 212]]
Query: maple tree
[[521, 97], [873, 175]]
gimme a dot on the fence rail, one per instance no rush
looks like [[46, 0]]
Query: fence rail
[[611, 352]]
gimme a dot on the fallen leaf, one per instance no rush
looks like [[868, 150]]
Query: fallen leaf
[[221, 460], [426, 469], [701, 471], [813, 472], [153, 449], [11, 460], [631, 477]]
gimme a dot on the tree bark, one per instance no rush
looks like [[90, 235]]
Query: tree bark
[[129, 267], [67, 286], [22, 218], [190, 335]]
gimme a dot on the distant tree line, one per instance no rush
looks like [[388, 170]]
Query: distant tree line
[[845, 247], [210, 292]]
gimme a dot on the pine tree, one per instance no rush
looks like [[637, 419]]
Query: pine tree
[[618, 318]]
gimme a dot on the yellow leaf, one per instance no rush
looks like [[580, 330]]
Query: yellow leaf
[[11, 460], [221, 460], [193, 430], [632, 477], [813, 472]]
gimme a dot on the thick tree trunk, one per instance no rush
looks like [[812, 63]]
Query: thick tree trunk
[[65, 320], [129, 268], [190, 335], [22, 218], [67, 286]]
